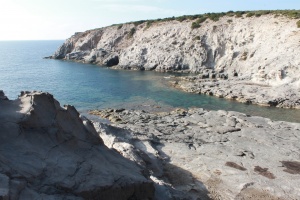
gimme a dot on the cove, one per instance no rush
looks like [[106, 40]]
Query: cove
[[93, 87]]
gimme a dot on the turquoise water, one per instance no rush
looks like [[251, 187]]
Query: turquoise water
[[22, 67]]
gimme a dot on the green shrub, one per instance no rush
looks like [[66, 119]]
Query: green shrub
[[298, 24], [196, 38], [215, 16], [195, 25], [265, 12], [230, 14], [238, 15], [138, 22], [131, 33], [250, 14], [148, 24], [191, 17], [229, 21], [201, 20], [181, 19], [257, 14], [293, 14], [120, 26]]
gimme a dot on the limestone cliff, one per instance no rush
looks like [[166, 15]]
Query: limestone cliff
[[49, 152], [263, 49]]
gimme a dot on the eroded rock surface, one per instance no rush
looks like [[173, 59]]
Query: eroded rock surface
[[209, 154], [50, 152], [242, 90]]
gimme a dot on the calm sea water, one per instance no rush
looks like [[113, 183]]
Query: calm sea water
[[22, 67]]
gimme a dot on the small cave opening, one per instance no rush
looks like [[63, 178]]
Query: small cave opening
[[112, 61]]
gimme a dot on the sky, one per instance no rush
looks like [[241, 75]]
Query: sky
[[59, 19]]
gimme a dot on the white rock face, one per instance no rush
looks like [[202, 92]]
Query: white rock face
[[49, 152], [263, 49]]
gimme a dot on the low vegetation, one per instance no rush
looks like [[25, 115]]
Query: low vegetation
[[195, 25], [120, 26], [131, 33], [250, 14], [298, 24], [293, 14], [148, 24], [196, 38]]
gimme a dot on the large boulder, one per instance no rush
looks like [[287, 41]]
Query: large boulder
[[50, 152]]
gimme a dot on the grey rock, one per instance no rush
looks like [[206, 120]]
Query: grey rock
[[2, 95], [210, 154], [111, 60], [50, 152]]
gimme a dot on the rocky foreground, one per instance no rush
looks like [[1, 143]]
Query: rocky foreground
[[50, 152], [200, 154], [258, 55]]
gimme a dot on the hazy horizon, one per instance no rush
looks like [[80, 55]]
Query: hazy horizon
[[58, 20]]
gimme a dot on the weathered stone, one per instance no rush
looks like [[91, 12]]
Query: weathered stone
[[50, 152], [217, 154]]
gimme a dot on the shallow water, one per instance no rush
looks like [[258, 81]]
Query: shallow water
[[22, 67]]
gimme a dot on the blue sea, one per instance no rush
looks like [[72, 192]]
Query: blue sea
[[22, 68]]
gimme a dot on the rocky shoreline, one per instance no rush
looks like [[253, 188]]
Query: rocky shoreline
[[240, 89], [208, 154]]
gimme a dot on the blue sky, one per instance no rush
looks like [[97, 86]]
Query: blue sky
[[59, 19]]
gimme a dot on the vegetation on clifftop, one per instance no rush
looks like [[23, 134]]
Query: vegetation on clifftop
[[131, 33], [293, 14]]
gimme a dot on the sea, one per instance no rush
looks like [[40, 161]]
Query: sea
[[89, 87]]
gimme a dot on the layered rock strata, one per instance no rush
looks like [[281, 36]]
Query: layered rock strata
[[50, 152], [209, 154], [259, 50], [239, 89]]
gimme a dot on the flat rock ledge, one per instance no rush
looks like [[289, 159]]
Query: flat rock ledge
[[50, 152], [240, 89], [200, 154]]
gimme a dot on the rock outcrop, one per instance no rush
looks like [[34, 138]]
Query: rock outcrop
[[240, 89], [50, 152], [209, 154], [261, 50]]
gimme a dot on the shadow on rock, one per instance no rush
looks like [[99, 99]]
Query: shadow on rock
[[49, 152], [171, 181]]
